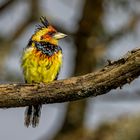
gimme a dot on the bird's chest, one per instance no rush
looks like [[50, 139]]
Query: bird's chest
[[38, 67]]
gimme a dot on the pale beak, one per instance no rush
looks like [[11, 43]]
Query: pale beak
[[59, 35]]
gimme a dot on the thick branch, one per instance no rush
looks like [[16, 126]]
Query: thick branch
[[114, 75]]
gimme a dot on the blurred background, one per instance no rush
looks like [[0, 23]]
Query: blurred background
[[98, 30]]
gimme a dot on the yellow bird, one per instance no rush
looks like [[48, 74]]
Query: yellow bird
[[41, 62]]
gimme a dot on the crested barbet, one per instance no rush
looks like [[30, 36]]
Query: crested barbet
[[41, 62]]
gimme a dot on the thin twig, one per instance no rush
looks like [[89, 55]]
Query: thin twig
[[6, 4]]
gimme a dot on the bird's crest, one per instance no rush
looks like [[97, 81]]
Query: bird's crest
[[45, 23]]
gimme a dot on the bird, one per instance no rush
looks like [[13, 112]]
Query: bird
[[41, 62]]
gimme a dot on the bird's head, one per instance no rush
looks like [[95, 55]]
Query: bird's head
[[47, 33]]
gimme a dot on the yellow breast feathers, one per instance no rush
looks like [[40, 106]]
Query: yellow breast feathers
[[38, 67]]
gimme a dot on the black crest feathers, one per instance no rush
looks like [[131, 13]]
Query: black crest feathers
[[44, 21]]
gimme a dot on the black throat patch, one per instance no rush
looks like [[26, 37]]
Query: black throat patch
[[47, 48]]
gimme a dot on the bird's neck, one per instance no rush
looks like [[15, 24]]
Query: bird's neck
[[47, 48]]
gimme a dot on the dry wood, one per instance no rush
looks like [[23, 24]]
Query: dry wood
[[112, 76]]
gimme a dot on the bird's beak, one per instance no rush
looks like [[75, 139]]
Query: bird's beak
[[59, 35]]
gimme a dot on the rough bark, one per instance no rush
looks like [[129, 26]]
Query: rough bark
[[112, 76]]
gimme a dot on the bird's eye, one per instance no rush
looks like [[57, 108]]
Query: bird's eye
[[51, 33]]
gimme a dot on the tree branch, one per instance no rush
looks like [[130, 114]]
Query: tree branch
[[6, 4], [112, 76]]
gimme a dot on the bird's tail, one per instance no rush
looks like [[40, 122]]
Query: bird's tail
[[32, 115]]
